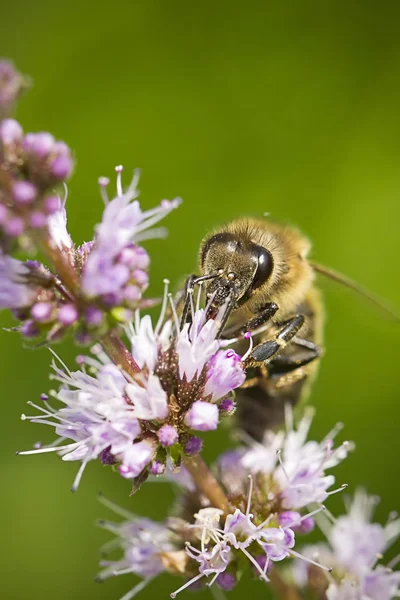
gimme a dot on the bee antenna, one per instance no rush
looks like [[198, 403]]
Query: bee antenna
[[356, 287]]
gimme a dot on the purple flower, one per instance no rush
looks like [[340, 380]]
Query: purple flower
[[95, 416], [225, 372], [297, 466], [167, 435], [202, 416], [12, 84], [142, 542], [15, 292], [116, 263]]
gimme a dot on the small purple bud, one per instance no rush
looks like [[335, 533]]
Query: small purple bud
[[111, 300], [306, 526], [24, 192], [167, 435], [193, 446], [157, 468], [142, 258], [141, 277], [83, 338], [202, 416], [52, 204], [131, 293], [38, 220], [94, 316], [227, 406], [289, 518], [61, 167], [29, 329], [39, 144], [44, 397], [103, 181], [10, 132], [262, 561], [41, 312], [106, 457], [14, 226], [226, 581], [68, 314]]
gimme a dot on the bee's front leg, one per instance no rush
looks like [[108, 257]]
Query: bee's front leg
[[268, 350], [265, 314]]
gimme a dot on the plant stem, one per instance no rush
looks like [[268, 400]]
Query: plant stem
[[284, 590], [120, 354], [206, 482]]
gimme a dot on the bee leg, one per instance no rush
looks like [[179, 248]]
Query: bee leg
[[267, 350], [191, 282], [265, 315], [286, 363]]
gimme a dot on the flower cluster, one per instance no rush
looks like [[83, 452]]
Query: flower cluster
[[145, 392], [184, 386], [355, 547], [107, 275], [263, 516]]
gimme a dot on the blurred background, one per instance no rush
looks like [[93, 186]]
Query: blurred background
[[290, 108]]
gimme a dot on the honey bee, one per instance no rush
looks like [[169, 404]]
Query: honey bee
[[260, 272]]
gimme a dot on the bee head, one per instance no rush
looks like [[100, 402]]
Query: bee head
[[240, 266]]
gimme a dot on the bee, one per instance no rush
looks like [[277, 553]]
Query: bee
[[260, 272]]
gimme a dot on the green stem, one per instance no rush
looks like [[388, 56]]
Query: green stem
[[206, 482]]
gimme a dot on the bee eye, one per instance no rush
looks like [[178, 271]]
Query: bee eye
[[264, 267]]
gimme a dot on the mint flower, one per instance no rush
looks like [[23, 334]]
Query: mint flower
[[138, 422], [297, 466], [355, 547]]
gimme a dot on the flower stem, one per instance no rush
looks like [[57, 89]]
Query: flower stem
[[206, 482], [119, 354], [284, 591]]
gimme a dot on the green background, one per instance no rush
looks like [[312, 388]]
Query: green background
[[249, 107]]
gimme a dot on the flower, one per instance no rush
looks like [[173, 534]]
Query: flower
[[12, 84], [296, 465], [355, 546], [115, 269], [15, 290], [146, 545], [137, 421]]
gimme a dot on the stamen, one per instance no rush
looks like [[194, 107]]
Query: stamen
[[138, 588], [103, 183], [157, 232], [264, 523], [304, 517], [78, 477], [250, 494], [190, 293], [119, 170], [342, 487], [132, 189], [187, 584], [288, 417], [200, 286], [47, 449], [308, 560], [247, 336], [279, 454], [118, 510], [255, 563], [175, 315], [333, 432]]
